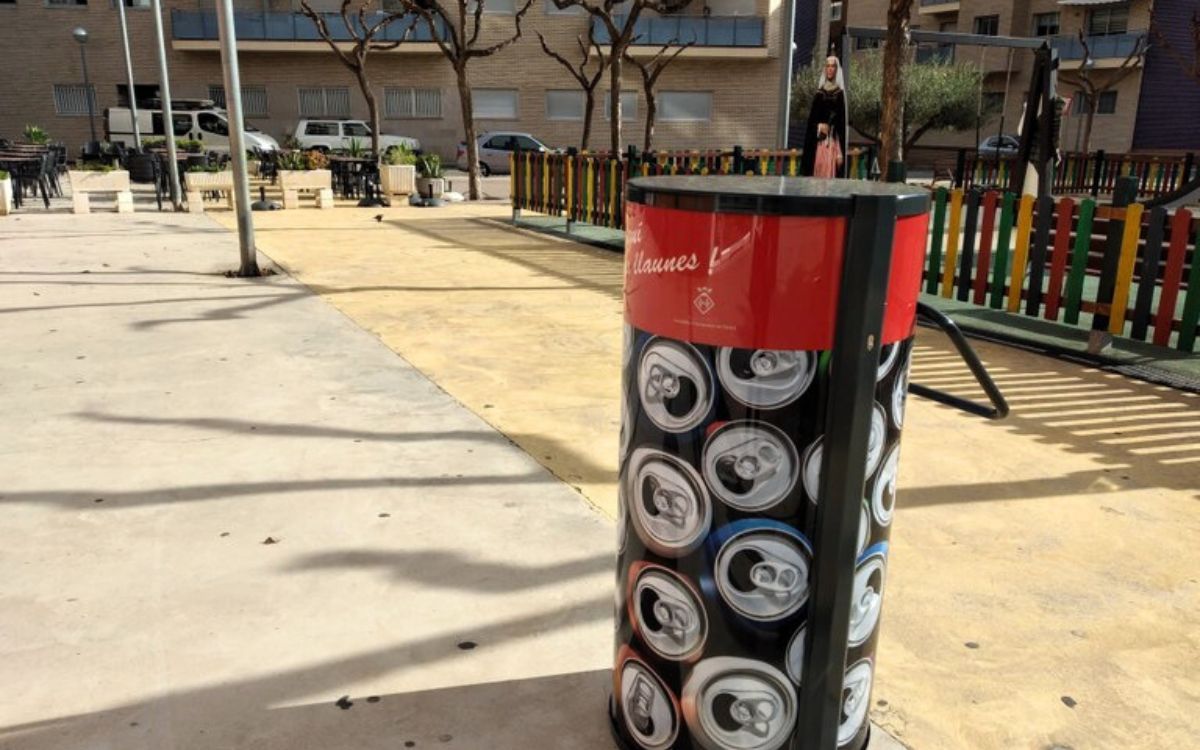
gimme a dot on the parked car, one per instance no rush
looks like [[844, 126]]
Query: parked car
[[331, 135], [205, 123], [1002, 145], [495, 148]]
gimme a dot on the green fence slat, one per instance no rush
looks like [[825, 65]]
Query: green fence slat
[[1000, 260], [1079, 259], [1191, 305], [939, 235]]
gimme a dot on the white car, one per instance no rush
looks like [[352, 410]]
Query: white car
[[495, 148], [335, 135]]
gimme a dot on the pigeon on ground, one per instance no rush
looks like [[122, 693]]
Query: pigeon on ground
[[378, 217]]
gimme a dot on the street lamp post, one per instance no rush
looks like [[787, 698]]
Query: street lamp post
[[81, 36]]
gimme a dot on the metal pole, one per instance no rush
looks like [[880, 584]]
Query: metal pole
[[863, 292], [87, 91], [164, 92], [785, 75], [133, 114], [237, 149]]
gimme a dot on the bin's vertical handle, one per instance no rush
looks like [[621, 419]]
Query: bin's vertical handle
[[862, 292]]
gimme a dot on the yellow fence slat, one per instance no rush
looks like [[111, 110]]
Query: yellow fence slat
[[1021, 253], [1129, 251], [953, 235]]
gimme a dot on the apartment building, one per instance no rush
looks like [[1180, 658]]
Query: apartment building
[[1112, 29], [721, 91]]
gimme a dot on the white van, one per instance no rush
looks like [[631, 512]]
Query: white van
[[206, 124]]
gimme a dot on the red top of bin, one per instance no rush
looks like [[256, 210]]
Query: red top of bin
[[772, 196]]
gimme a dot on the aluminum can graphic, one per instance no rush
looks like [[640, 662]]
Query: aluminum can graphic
[[761, 570], [856, 700], [815, 453], [765, 378], [674, 384], [666, 500], [651, 712], [731, 294], [883, 496], [738, 704], [868, 595], [666, 612], [750, 466]]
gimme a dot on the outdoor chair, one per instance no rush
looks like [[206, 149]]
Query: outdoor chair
[[145, 169]]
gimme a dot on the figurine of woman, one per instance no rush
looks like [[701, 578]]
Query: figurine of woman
[[826, 134]]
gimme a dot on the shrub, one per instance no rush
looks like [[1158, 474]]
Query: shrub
[[399, 155], [316, 160], [3, 175], [35, 134], [291, 142], [190, 146], [429, 166]]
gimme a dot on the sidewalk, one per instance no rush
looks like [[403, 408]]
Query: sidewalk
[[163, 423]]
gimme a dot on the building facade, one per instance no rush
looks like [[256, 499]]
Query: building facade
[[1113, 30], [721, 91]]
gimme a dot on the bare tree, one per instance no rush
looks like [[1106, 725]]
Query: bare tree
[[463, 20], [651, 70], [619, 20], [895, 50], [1083, 81], [579, 71], [1190, 67], [364, 26]]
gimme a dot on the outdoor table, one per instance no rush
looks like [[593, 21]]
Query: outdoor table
[[349, 173], [20, 165]]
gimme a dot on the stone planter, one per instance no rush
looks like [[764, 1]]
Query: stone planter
[[83, 184], [199, 183], [397, 179], [6, 196], [293, 182], [425, 185]]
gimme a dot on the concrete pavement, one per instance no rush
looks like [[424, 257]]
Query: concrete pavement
[[227, 506]]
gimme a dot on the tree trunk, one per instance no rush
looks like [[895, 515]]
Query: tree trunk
[[372, 108], [651, 111], [614, 95], [1087, 125], [589, 106], [892, 117], [468, 115]]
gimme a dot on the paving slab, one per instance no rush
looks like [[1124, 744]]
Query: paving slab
[[1042, 586], [227, 506]]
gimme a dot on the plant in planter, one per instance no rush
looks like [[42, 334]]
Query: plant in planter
[[430, 182], [190, 146], [291, 142], [398, 172], [355, 150], [316, 160], [305, 171], [35, 134]]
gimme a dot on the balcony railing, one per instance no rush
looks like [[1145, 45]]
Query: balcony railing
[[190, 25], [933, 3], [732, 31], [1110, 46]]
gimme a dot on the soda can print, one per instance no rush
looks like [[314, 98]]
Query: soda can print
[[650, 711], [622, 519], [887, 359], [761, 572], [867, 599], [883, 496], [666, 612], [628, 427], [674, 385], [864, 528], [750, 466], [856, 697], [813, 453], [731, 703], [667, 502], [765, 378], [899, 392], [795, 654]]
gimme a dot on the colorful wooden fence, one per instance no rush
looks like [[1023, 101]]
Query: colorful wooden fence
[[590, 188], [1083, 174], [1045, 258]]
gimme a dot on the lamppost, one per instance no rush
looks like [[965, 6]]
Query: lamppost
[[81, 36]]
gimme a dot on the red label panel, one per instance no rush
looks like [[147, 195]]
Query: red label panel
[[754, 282]]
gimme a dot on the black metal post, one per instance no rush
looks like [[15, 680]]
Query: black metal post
[[1188, 162], [960, 168], [1098, 174], [737, 160], [855, 357]]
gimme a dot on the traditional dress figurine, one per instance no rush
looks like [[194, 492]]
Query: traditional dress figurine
[[826, 134]]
